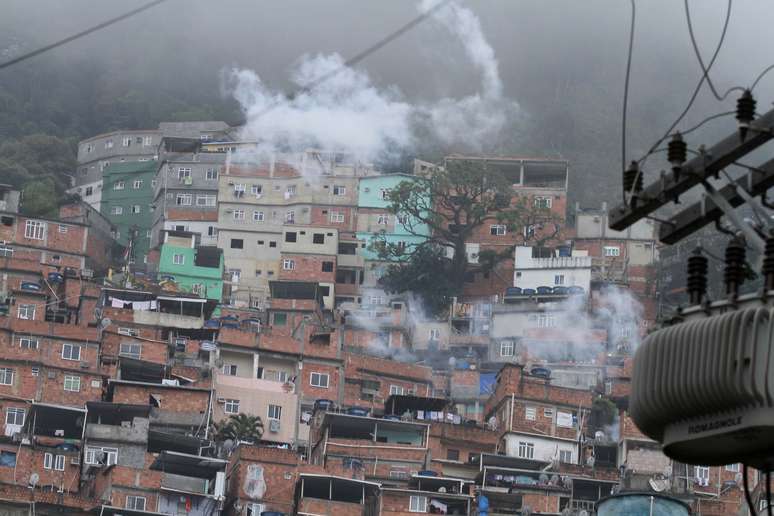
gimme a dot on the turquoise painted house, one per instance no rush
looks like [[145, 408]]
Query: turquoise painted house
[[373, 216], [197, 270]]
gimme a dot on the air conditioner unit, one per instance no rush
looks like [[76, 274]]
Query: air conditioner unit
[[87, 273], [188, 181], [274, 425], [84, 365], [221, 400], [52, 374]]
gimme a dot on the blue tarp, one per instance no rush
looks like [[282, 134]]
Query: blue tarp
[[486, 383]]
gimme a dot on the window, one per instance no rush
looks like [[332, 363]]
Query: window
[[101, 455], [230, 369], [6, 251], [559, 279], [291, 236], [35, 371], [136, 208], [117, 210], [327, 266], [211, 174], [290, 191], [497, 229], [239, 214], [178, 259], [126, 141], [280, 319], [383, 220], [34, 230], [26, 312], [15, 416], [28, 343], [62, 228], [90, 148], [147, 141], [108, 144], [290, 217], [211, 231], [274, 412], [237, 243], [418, 504], [434, 334], [272, 243], [384, 194], [542, 202], [184, 199], [452, 454], [530, 413], [197, 288], [506, 348], [336, 217], [132, 332], [72, 383], [119, 185], [258, 216], [205, 200], [732, 467], [59, 463], [235, 275], [256, 190], [137, 184], [546, 321], [48, 460], [526, 450], [276, 376], [702, 474], [153, 183], [318, 238], [71, 351], [180, 343], [135, 503], [89, 190], [565, 456], [130, 349], [339, 190], [318, 380], [612, 251], [396, 389], [288, 264], [231, 407], [183, 173]]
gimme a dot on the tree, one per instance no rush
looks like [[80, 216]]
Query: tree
[[239, 427], [451, 204]]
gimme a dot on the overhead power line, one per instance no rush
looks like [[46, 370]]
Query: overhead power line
[[352, 61], [704, 69], [81, 34], [626, 92]]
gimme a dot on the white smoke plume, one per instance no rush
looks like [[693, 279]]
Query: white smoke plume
[[348, 113]]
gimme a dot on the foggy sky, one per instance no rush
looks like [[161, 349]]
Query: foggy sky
[[561, 60]]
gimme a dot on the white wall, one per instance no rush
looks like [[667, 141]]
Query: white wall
[[200, 227], [532, 272], [95, 199], [545, 448]]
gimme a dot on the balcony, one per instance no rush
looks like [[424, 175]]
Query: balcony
[[347, 289], [350, 260], [223, 380]]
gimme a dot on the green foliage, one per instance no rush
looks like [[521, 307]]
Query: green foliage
[[238, 427], [41, 198], [453, 202], [425, 274], [603, 413]]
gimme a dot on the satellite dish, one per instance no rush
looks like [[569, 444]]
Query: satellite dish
[[228, 445], [104, 323], [543, 478], [584, 512], [34, 479]]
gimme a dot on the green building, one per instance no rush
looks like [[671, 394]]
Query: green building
[[127, 196], [197, 270]]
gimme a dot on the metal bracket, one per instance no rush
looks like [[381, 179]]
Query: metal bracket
[[753, 239]]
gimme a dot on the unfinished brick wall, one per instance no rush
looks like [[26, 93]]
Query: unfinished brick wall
[[277, 466], [172, 399], [466, 440], [315, 506], [308, 267]]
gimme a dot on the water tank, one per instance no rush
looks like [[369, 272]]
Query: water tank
[[641, 504]]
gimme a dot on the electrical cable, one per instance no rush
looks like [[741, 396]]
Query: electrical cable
[[81, 34], [704, 69], [747, 497], [695, 91], [709, 118], [626, 93], [760, 76], [306, 88]]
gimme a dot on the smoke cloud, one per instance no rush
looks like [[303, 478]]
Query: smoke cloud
[[348, 113]]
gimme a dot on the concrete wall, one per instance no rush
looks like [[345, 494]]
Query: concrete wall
[[305, 240], [254, 397], [544, 448]]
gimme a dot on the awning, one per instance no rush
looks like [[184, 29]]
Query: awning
[[188, 465]]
